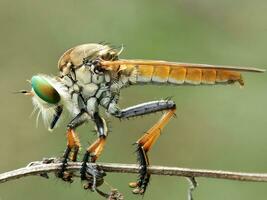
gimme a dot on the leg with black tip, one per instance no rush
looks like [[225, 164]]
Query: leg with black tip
[[94, 150], [145, 143], [144, 177], [73, 145], [84, 165]]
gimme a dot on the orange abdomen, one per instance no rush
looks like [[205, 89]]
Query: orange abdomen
[[182, 75]]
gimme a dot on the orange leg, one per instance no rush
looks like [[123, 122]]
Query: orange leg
[[145, 143], [147, 140], [73, 145], [96, 148], [93, 151]]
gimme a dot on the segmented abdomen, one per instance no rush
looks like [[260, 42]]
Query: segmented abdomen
[[182, 75]]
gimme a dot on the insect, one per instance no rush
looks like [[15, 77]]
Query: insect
[[92, 75]]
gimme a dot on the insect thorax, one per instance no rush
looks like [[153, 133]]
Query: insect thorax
[[88, 90], [88, 86]]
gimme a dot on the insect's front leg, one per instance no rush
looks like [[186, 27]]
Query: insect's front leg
[[145, 143], [94, 150], [73, 145]]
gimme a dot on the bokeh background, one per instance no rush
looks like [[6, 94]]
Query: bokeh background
[[221, 127]]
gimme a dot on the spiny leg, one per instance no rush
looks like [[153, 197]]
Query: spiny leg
[[73, 145], [145, 143], [94, 150]]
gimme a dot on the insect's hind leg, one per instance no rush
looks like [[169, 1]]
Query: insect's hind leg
[[145, 143], [73, 145]]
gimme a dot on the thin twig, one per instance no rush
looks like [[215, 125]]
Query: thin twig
[[42, 168], [192, 187]]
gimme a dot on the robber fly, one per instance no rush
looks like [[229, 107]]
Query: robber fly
[[92, 76]]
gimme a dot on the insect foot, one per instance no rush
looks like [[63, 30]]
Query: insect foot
[[94, 177], [143, 180], [62, 173], [114, 194]]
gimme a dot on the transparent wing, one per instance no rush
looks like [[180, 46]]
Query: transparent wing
[[114, 65]]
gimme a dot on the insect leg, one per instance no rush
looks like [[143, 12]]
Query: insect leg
[[94, 150], [73, 144], [145, 143]]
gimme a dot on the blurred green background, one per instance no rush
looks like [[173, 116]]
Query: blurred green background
[[221, 127]]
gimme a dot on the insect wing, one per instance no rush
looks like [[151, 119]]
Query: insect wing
[[156, 63], [155, 71]]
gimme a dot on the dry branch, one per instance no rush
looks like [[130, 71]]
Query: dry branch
[[39, 167]]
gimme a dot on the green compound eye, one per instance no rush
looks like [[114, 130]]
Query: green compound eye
[[45, 90]]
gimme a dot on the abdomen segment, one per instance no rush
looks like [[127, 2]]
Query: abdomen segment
[[182, 75]]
